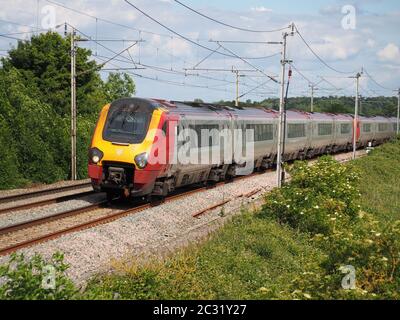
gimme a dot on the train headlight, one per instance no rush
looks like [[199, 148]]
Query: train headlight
[[95, 155], [141, 160]]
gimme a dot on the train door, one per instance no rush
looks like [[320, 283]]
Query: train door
[[356, 127]]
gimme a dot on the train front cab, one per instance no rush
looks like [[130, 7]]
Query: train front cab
[[121, 146]]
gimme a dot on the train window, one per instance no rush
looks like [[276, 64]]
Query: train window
[[205, 130], [126, 125], [268, 132], [325, 129], [296, 130], [367, 127], [345, 128], [383, 127], [262, 132], [164, 128]]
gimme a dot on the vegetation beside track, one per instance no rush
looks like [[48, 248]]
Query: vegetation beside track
[[35, 109], [328, 216]]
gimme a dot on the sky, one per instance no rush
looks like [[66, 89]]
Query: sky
[[346, 36]]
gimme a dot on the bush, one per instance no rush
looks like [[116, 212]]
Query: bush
[[323, 200], [317, 198], [22, 279]]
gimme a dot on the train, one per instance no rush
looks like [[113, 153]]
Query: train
[[143, 148]]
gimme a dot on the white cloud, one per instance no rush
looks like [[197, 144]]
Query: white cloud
[[261, 9], [338, 47], [371, 43], [390, 53]]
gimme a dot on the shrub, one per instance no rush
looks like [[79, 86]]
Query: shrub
[[323, 201], [26, 279], [317, 198]]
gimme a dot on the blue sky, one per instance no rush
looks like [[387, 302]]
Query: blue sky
[[373, 44], [298, 7]]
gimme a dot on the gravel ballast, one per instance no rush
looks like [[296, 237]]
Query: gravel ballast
[[157, 229]]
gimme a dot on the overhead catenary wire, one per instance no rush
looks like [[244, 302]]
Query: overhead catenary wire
[[377, 83], [254, 89], [226, 24], [318, 57], [185, 37], [157, 68], [11, 35], [248, 63], [172, 82], [173, 71], [104, 20], [17, 23], [12, 38]]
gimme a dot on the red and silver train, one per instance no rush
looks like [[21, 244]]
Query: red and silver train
[[132, 132]]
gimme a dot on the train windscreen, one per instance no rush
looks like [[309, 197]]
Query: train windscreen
[[126, 124]]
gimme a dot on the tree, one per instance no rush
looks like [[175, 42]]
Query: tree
[[44, 62], [118, 85], [36, 134], [9, 173]]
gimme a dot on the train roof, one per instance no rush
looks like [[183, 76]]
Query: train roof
[[211, 109]]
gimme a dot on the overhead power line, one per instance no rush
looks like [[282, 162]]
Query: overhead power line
[[248, 63], [12, 38], [10, 35], [377, 83], [17, 23], [254, 89], [226, 24], [172, 71], [184, 37], [104, 20], [318, 57]]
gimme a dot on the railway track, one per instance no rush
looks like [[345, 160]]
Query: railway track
[[113, 213], [41, 193], [35, 194]]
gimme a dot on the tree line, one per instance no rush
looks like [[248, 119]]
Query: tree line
[[369, 106]]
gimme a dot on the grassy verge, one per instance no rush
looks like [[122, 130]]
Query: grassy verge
[[380, 184], [330, 216], [293, 248]]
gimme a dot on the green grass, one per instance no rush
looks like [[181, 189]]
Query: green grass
[[249, 258], [380, 184], [253, 257]]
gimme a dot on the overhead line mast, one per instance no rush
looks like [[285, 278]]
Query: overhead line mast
[[355, 121], [398, 112], [282, 112], [74, 175]]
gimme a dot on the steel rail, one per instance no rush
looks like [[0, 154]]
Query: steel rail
[[38, 193], [44, 202], [47, 219]]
